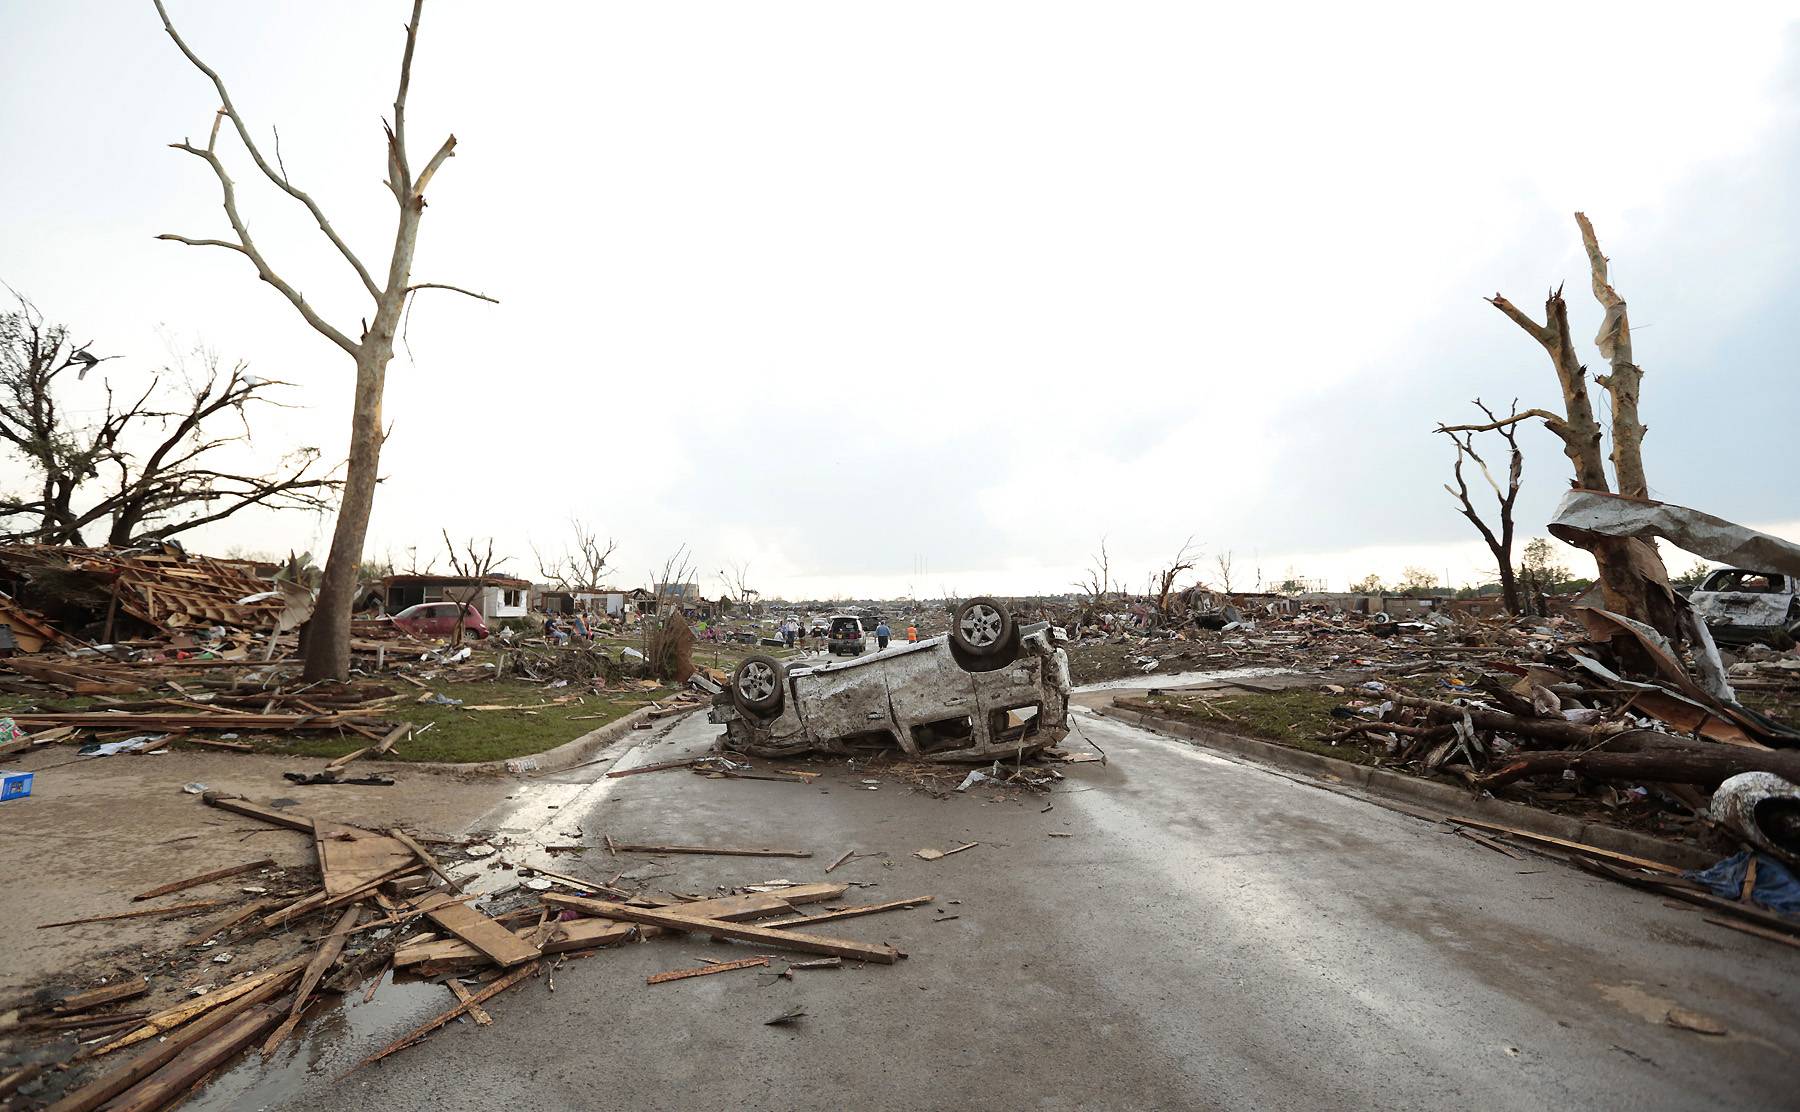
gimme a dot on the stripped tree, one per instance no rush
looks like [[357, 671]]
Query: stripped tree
[[151, 465], [584, 563], [1164, 581], [328, 639], [475, 565], [1633, 580], [1499, 543]]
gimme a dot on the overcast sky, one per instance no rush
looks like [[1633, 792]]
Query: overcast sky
[[931, 297]]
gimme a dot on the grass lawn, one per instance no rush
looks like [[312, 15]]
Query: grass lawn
[[458, 735], [1297, 718]]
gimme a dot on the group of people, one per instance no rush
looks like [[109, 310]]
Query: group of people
[[795, 634]]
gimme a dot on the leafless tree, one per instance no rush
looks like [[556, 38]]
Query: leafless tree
[[146, 467], [328, 643], [1499, 542], [476, 565], [1164, 581], [737, 581], [668, 640], [1098, 584], [1223, 562], [584, 563], [1633, 579]]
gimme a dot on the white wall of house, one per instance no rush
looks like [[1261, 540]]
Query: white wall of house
[[613, 602], [505, 602]]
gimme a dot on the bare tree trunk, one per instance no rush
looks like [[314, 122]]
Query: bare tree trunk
[[328, 635], [1614, 342]]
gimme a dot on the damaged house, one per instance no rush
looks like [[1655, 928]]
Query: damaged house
[[495, 596]]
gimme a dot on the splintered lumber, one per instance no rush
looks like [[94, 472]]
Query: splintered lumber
[[350, 858], [204, 878], [241, 806], [842, 857], [499, 944], [309, 980], [703, 971], [723, 851], [576, 934], [424, 855], [661, 766], [172, 909], [126, 989], [476, 1011], [430, 1025], [850, 912], [249, 912], [203, 1056], [109, 1085], [934, 854], [720, 928], [1752, 928], [214, 743], [1579, 847], [174, 1017], [339, 764], [211, 720], [1497, 847]]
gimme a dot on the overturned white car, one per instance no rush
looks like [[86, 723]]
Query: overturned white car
[[988, 689]]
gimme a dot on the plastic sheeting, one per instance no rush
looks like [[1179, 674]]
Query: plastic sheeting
[[1776, 887]]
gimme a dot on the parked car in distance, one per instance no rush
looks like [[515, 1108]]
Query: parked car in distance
[[989, 689], [845, 636], [438, 619], [1739, 605]]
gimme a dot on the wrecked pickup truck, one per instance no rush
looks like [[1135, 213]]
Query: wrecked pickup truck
[[990, 688], [1740, 606]]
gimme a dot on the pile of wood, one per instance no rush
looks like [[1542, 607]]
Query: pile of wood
[[374, 883]]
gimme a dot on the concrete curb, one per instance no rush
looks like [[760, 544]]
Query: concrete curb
[[1422, 793], [567, 755]]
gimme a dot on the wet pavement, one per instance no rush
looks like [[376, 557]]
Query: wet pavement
[[1208, 934]]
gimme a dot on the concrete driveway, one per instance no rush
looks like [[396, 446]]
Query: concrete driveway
[[1209, 935]]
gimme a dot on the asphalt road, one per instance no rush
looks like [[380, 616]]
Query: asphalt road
[[1209, 935]]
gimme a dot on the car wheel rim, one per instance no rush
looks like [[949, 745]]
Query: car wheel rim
[[756, 682], [981, 626]]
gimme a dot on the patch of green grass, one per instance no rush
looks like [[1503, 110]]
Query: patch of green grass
[[458, 736], [1297, 718]]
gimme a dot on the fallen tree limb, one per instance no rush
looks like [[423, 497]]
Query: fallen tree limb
[[1707, 767], [1551, 729]]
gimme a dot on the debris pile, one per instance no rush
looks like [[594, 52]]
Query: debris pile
[[382, 901]]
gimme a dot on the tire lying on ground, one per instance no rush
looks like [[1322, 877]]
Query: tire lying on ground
[[757, 684], [983, 635]]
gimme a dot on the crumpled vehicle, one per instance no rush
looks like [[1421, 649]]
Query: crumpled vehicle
[[987, 689], [1739, 605]]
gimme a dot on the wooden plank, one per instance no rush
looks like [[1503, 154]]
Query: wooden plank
[[321, 961], [214, 743], [843, 857], [576, 934], [703, 971], [422, 854], [351, 857], [204, 878], [720, 928], [434, 1023], [1760, 932], [1497, 847], [206, 1054], [662, 766], [172, 909], [850, 912], [501, 945], [111, 1084], [723, 851], [339, 764], [239, 806], [476, 1011], [127, 988], [232, 920], [172, 1018], [934, 854], [1592, 851]]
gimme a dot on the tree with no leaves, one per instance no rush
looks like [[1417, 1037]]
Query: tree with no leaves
[[1632, 576], [475, 565], [149, 467], [583, 566], [1164, 581], [328, 639], [1499, 543]]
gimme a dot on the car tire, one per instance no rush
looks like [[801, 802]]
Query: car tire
[[757, 684], [982, 627]]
